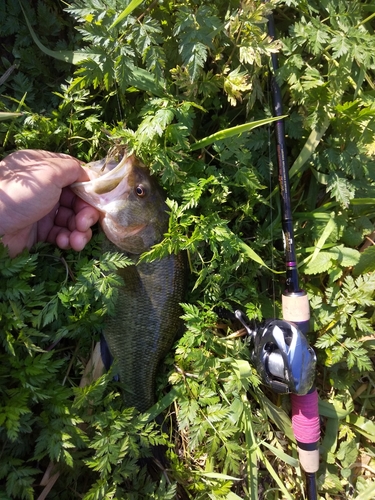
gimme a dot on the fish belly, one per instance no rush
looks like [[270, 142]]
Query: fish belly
[[145, 324]]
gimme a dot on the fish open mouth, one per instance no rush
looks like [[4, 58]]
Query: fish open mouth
[[105, 185]]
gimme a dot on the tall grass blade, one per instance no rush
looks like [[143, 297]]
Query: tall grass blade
[[232, 496], [331, 226], [309, 147], [230, 132], [278, 481], [163, 403], [218, 475], [255, 257], [133, 5], [5, 115], [251, 451], [10, 128], [293, 462], [363, 201], [279, 417]]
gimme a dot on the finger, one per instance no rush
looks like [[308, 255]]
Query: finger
[[67, 198], [65, 217], [70, 200], [57, 168], [66, 239], [45, 224], [59, 236], [66, 171], [78, 239], [86, 218], [37, 154]]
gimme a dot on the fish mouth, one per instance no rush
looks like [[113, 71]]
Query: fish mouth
[[117, 232], [107, 183]]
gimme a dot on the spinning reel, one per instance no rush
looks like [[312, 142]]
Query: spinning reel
[[281, 355]]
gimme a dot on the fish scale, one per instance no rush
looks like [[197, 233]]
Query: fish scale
[[145, 325]]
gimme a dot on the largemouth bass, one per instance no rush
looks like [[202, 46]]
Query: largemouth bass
[[134, 218]]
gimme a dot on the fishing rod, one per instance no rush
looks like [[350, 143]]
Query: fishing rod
[[295, 304], [280, 350]]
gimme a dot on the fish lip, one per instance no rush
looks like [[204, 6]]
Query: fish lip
[[116, 233], [99, 191]]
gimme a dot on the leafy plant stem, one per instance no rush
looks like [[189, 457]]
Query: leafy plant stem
[[251, 450]]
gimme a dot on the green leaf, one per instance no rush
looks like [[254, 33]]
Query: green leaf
[[5, 115], [347, 257], [163, 403], [362, 201], [195, 31], [340, 46], [320, 264], [347, 453], [129, 9], [230, 132], [252, 450], [243, 368], [254, 256], [368, 493], [329, 443], [136, 77], [293, 462], [63, 55], [232, 496], [329, 410], [363, 425], [342, 189], [329, 228], [366, 262], [217, 475], [274, 474], [344, 256], [141, 79], [280, 418]]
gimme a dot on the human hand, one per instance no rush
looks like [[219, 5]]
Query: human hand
[[36, 203]]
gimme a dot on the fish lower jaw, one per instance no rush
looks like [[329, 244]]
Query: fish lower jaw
[[124, 237]]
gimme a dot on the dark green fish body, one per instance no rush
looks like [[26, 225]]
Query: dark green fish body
[[148, 313], [145, 325]]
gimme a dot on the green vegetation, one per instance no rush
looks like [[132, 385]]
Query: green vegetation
[[160, 76]]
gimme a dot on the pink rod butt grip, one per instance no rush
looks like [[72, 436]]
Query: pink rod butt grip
[[306, 428]]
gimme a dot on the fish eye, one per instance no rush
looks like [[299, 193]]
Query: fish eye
[[140, 191]]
